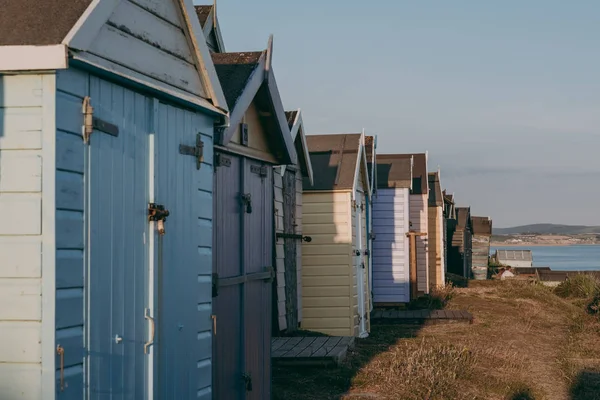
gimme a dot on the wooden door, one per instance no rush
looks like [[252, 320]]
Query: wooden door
[[118, 282], [243, 243]]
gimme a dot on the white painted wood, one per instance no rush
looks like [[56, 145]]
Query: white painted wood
[[21, 381], [21, 214], [20, 171], [145, 80], [86, 28], [21, 342], [390, 255], [21, 91], [48, 281], [21, 127], [140, 23], [166, 10], [24, 297], [124, 49], [33, 58], [21, 257]]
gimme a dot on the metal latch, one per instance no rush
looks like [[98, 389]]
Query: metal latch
[[215, 284], [157, 212], [247, 381], [195, 151], [247, 202]]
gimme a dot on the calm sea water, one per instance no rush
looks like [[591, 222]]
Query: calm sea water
[[562, 258]]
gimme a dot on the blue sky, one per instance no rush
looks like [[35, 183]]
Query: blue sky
[[505, 95]]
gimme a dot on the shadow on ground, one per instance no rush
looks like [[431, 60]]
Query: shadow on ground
[[311, 383], [586, 386]]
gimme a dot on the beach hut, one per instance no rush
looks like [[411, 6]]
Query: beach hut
[[207, 16], [419, 221], [515, 258], [335, 297], [482, 232], [107, 112], [462, 243], [392, 274], [435, 217], [288, 227], [371, 151], [256, 139], [449, 225]]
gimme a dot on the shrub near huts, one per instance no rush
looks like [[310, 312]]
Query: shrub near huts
[[580, 286]]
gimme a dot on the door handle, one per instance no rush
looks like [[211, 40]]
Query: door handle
[[150, 342]]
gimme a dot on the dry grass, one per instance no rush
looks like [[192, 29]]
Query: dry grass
[[581, 286], [526, 343]]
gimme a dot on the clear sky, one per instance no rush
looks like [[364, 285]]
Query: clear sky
[[505, 95]]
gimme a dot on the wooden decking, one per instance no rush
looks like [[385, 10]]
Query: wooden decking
[[421, 316], [310, 350]]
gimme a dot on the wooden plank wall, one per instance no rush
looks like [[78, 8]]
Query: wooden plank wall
[[279, 248], [72, 87], [436, 246], [327, 270], [21, 122], [300, 230], [418, 217]]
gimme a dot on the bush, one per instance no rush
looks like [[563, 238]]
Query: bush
[[593, 306], [581, 286]]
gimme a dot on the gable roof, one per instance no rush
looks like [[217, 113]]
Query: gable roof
[[435, 198], [419, 173], [247, 77], [207, 16], [54, 33], [336, 159], [394, 171], [463, 217], [481, 225], [296, 125], [371, 151]]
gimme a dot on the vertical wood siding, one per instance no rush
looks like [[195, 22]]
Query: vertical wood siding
[[21, 240], [328, 278], [418, 217], [436, 249], [481, 251], [280, 253], [299, 247], [391, 271]]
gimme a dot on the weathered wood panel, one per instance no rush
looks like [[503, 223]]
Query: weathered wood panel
[[418, 218], [21, 214], [20, 381], [435, 245], [21, 342], [24, 298], [21, 257], [120, 47], [28, 163]]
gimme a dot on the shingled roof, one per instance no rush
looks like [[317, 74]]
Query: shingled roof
[[481, 225], [333, 159], [435, 190], [419, 171], [37, 23], [234, 71], [394, 171]]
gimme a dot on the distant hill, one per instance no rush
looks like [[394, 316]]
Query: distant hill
[[548, 229]]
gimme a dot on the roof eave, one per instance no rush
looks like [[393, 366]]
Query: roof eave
[[33, 58]]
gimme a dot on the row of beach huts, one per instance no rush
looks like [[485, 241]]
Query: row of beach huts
[[164, 216]]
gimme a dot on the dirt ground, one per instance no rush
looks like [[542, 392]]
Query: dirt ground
[[525, 343]]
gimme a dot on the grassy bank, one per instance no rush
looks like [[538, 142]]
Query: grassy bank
[[526, 343]]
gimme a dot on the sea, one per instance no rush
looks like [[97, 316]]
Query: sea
[[562, 258]]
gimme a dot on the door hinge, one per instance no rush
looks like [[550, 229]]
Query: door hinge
[[247, 381], [196, 151], [222, 160], [259, 169], [90, 122], [215, 284]]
